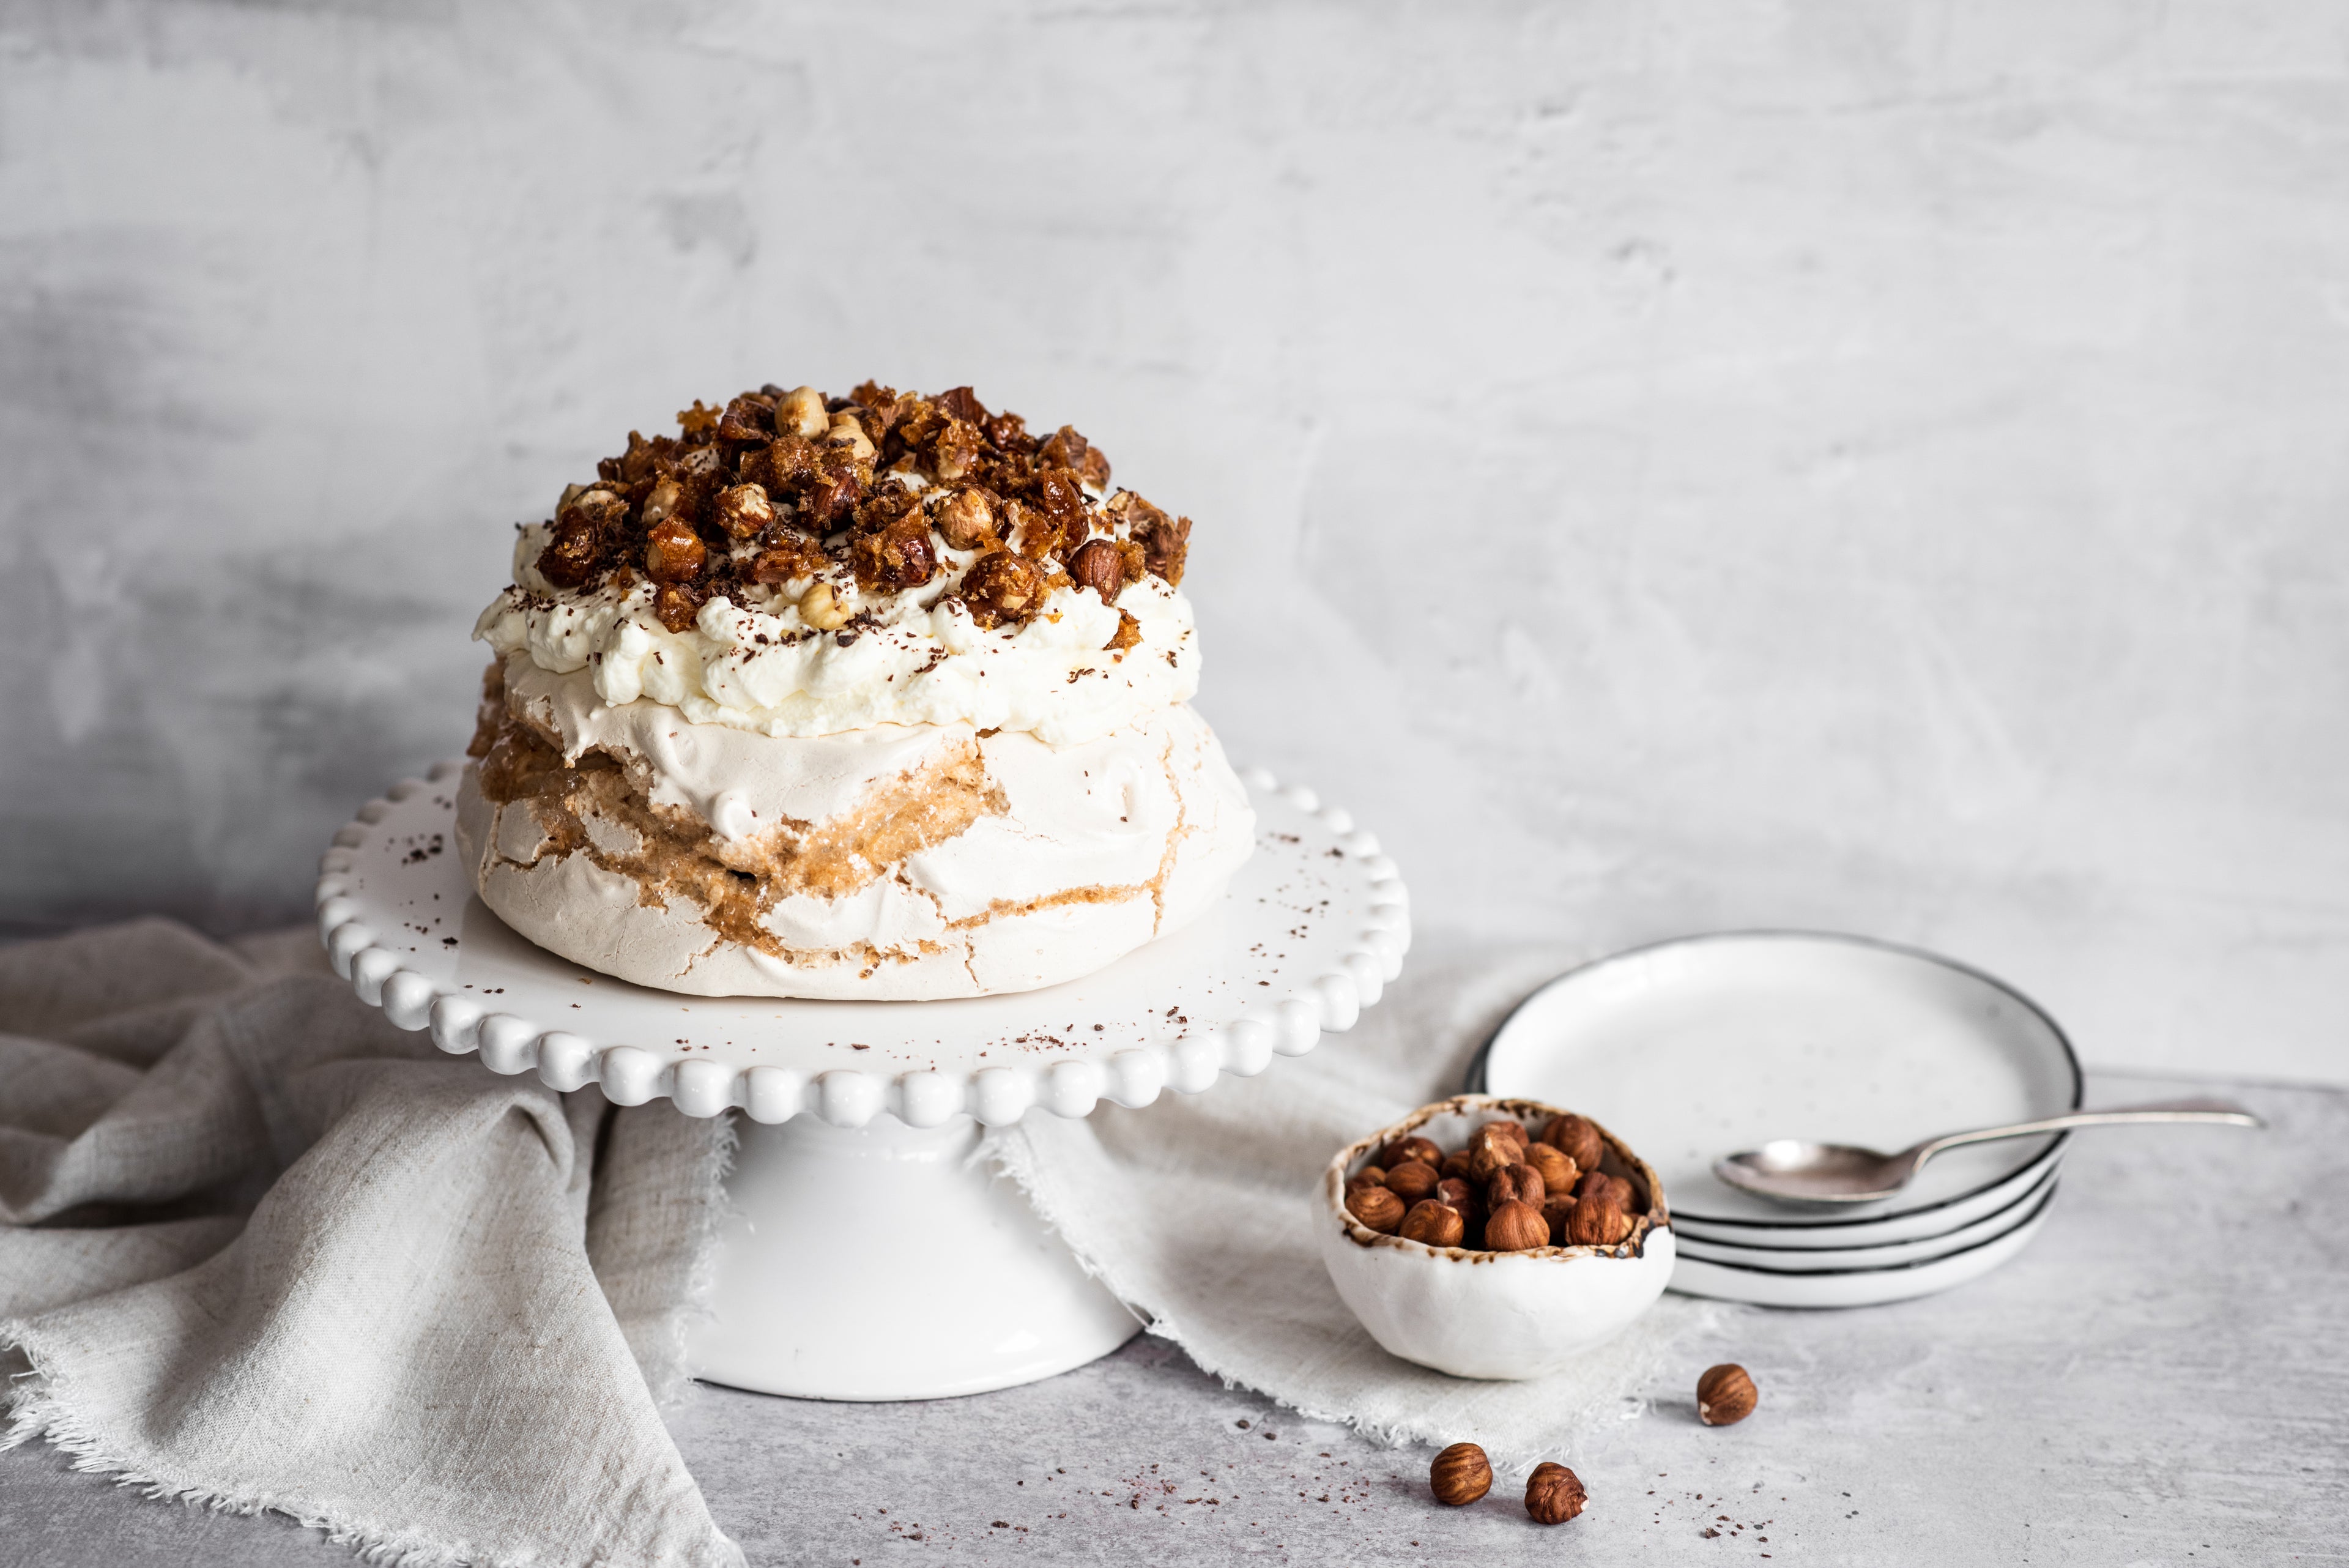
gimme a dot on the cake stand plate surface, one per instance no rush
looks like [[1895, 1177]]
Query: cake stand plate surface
[[865, 1253]]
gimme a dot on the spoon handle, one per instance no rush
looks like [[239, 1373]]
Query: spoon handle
[[2198, 1109]]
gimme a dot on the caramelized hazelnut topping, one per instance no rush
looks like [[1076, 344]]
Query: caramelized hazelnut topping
[[673, 553], [1002, 587]]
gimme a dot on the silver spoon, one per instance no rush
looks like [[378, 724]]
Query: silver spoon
[[1789, 1170]]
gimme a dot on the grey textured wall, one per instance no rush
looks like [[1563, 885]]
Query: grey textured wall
[[1871, 464]]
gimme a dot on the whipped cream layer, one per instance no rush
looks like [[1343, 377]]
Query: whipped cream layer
[[915, 656], [893, 863]]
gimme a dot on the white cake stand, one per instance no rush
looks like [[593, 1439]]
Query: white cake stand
[[865, 1253]]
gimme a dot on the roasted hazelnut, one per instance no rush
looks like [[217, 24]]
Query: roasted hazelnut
[[1456, 1164], [1598, 1221], [1558, 1209], [1554, 1494], [1559, 1173], [1725, 1395], [748, 418], [1459, 1475], [1376, 1207], [1407, 1148], [1515, 1227], [847, 430], [673, 552], [1574, 1137], [1516, 1184], [1369, 1176], [1613, 1188], [820, 609], [1002, 587], [966, 521], [1509, 1128], [1412, 1180], [744, 510], [599, 506], [1491, 1152], [1098, 566], [1437, 1224], [802, 413], [789, 558]]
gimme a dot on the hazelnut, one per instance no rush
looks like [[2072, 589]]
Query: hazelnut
[[1515, 1227], [1405, 1148], [1556, 1209], [1377, 1207], [1554, 1494], [661, 502], [1487, 1156], [1436, 1224], [966, 521], [1098, 566], [1510, 1128], [821, 610], [1725, 1395], [847, 430], [1516, 1184], [1456, 1164], [1597, 1221], [1002, 587], [744, 510], [571, 492], [1612, 1188], [802, 413], [1412, 1180], [1559, 1173], [1459, 1475], [1574, 1137], [673, 552]]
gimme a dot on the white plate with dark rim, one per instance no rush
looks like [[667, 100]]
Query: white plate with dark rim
[[1837, 1260], [1856, 1287], [1696, 1048]]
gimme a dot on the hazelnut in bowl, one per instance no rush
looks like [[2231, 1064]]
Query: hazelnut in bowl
[[1493, 1238]]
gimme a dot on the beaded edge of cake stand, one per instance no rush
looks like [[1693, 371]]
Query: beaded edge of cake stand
[[849, 1096]]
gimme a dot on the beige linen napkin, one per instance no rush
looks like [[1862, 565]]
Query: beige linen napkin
[[1197, 1212], [260, 1250]]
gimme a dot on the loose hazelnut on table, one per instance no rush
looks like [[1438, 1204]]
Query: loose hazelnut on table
[[1574, 1137], [1554, 1494], [1435, 1223], [1459, 1475], [1725, 1395], [1376, 1207], [1515, 1227]]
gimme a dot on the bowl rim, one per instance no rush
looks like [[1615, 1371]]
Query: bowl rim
[[1655, 1218], [1473, 1078]]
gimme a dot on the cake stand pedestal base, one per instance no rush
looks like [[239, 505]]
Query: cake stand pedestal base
[[884, 1262]]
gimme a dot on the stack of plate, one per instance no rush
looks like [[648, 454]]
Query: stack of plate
[[1694, 1049]]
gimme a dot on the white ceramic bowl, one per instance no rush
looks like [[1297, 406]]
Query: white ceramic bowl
[[1490, 1314]]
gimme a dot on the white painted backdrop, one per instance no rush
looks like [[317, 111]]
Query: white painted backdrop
[[1860, 465]]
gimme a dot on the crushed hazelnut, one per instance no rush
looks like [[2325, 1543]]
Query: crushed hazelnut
[[965, 521], [674, 553]]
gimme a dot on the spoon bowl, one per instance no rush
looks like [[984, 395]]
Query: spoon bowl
[[1827, 1175]]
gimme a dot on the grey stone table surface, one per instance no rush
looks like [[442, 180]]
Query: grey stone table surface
[[2159, 1379]]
